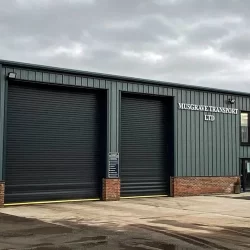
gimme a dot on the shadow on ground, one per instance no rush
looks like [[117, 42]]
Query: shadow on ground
[[24, 233], [236, 197], [242, 198]]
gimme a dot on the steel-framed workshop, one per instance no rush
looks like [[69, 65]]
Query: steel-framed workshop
[[72, 135]]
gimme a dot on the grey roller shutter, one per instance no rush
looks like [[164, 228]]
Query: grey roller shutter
[[143, 146], [55, 143]]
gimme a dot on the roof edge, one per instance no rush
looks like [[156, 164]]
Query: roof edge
[[117, 77]]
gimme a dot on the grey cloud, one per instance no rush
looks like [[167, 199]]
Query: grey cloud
[[207, 34], [187, 41], [238, 45], [145, 36]]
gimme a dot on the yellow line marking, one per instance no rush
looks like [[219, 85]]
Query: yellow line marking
[[78, 200], [48, 202]]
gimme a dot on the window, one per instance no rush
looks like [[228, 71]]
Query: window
[[245, 131]]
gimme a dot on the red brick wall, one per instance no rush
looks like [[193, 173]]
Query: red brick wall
[[111, 189], [187, 186], [2, 187]]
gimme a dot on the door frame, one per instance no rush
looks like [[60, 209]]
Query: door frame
[[243, 173]]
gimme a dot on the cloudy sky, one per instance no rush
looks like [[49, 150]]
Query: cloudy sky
[[198, 42]]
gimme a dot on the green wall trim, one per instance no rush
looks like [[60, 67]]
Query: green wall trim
[[2, 119]]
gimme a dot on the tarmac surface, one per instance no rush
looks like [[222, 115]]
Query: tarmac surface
[[163, 223]]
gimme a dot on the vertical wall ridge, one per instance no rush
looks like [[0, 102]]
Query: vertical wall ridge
[[2, 119]]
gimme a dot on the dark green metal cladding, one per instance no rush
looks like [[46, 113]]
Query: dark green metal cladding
[[2, 119], [202, 148]]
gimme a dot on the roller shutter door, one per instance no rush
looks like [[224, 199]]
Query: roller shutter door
[[55, 143], [143, 146]]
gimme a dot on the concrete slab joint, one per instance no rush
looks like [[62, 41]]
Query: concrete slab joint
[[2, 189], [111, 189]]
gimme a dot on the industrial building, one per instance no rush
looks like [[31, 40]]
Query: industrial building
[[75, 135]]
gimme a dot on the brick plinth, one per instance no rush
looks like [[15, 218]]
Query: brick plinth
[[111, 189], [188, 186], [2, 188]]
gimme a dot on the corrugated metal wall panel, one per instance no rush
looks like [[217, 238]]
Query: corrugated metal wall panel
[[188, 137], [193, 136], [178, 140], [214, 133], [213, 141], [209, 142], [145, 89], [226, 138], [183, 142], [2, 119], [237, 136], [201, 138], [24, 75], [218, 139], [46, 77], [222, 142], [84, 82], [230, 143], [59, 78], [196, 126], [205, 140], [209, 154], [114, 118]]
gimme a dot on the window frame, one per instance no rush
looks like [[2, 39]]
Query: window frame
[[248, 121]]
